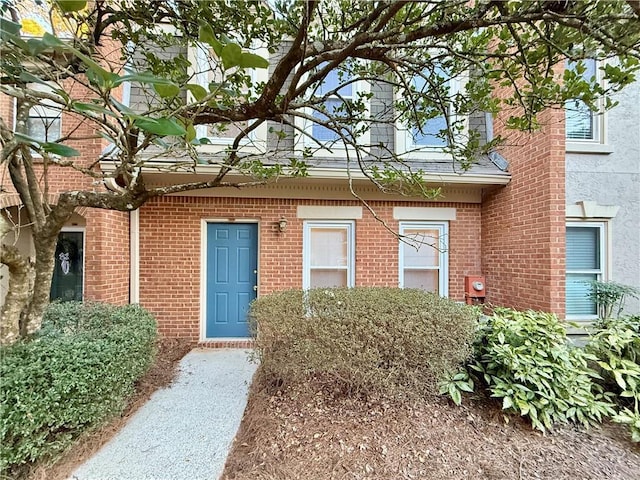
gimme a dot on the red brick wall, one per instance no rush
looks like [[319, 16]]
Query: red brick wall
[[523, 224], [107, 256], [170, 246]]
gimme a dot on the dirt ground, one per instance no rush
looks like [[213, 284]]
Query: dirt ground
[[159, 375], [294, 434]]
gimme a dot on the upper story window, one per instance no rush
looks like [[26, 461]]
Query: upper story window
[[44, 122], [338, 115], [337, 97], [434, 116], [209, 75], [428, 133], [582, 123], [586, 128]]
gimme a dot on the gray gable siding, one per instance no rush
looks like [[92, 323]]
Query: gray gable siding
[[382, 135]]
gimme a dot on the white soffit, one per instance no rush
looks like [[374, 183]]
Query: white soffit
[[424, 213], [312, 212]]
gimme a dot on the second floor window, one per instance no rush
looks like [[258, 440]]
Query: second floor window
[[336, 98], [581, 122], [428, 134], [44, 122]]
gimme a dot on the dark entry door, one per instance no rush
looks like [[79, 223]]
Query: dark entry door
[[69, 267], [232, 267]]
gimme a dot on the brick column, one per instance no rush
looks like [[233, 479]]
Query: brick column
[[523, 224]]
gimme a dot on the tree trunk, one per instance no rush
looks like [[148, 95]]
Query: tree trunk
[[29, 281], [45, 247], [17, 299]]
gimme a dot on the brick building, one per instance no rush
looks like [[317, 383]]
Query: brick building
[[197, 259]]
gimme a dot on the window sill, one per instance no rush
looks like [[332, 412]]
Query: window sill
[[577, 147], [584, 325]]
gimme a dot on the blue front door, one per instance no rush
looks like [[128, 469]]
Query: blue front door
[[232, 277]]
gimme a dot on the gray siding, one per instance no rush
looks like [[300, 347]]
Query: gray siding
[[614, 179]]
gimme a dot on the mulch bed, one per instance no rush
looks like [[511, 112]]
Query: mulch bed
[[295, 434], [160, 375]]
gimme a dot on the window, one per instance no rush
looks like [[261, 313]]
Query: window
[[44, 122], [427, 134], [425, 141], [328, 254], [339, 92], [333, 102], [583, 124], [424, 257], [207, 75], [585, 262]]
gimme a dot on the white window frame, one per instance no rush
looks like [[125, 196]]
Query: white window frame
[[334, 148], [405, 145], [443, 234], [306, 249], [598, 142], [257, 138], [602, 273], [42, 108]]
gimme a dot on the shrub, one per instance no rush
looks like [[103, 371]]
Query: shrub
[[74, 374], [524, 359], [616, 344], [370, 341], [610, 297]]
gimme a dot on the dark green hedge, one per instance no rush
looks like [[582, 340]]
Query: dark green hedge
[[74, 374], [384, 341]]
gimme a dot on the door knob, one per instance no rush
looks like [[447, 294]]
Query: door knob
[[255, 288]]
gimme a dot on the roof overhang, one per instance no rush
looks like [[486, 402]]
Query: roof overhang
[[321, 183]]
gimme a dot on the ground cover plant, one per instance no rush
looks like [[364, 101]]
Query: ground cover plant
[[362, 341], [69, 378], [524, 359], [616, 345]]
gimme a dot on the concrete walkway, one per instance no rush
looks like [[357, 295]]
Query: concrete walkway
[[183, 432]]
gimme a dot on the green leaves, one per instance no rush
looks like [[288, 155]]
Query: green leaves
[[525, 360], [616, 345], [230, 53], [72, 376], [60, 149], [49, 147], [198, 91], [160, 126], [251, 60], [455, 385], [8, 28], [206, 35], [68, 6]]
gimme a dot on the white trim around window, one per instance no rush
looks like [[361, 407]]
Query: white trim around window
[[201, 75], [305, 138], [328, 254], [586, 135], [423, 258], [44, 122], [408, 148], [587, 256]]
